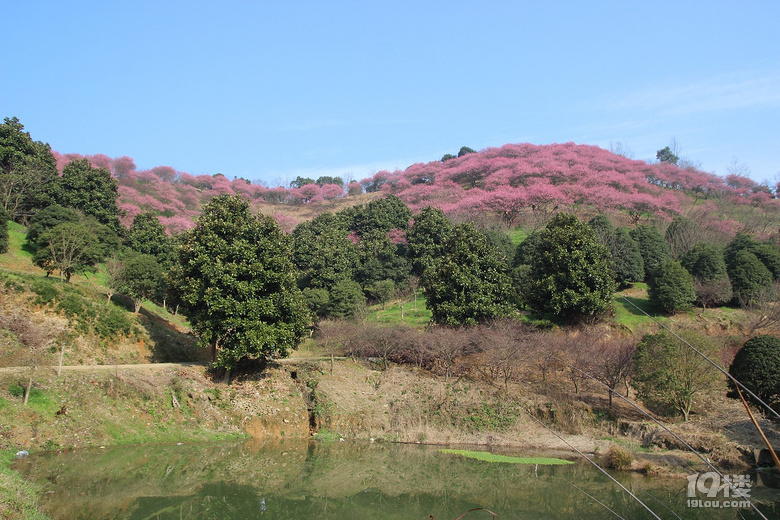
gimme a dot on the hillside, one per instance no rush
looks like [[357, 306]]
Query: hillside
[[518, 184]]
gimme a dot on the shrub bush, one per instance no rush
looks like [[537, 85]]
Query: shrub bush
[[618, 457], [757, 366]]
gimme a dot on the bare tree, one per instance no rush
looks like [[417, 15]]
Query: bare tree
[[735, 167], [332, 336], [621, 149], [447, 345], [763, 311], [36, 338], [508, 346], [113, 268], [611, 362]]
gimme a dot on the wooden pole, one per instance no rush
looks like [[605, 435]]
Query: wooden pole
[[755, 422]]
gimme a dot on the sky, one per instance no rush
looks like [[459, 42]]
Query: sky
[[270, 90]]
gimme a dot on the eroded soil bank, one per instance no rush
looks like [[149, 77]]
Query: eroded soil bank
[[350, 399]]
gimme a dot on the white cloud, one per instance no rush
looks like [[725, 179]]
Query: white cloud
[[716, 95]]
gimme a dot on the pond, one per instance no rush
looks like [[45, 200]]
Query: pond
[[344, 481]]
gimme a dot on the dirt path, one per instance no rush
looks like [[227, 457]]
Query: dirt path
[[151, 366]]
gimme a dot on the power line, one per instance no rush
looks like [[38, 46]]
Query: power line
[[710, 361]]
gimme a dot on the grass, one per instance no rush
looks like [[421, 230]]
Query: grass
[[18, 257], [625, 304], [517, 235], [492, 457], [18, 498], [401, 313]]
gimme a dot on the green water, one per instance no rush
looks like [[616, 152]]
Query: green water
[[343, 481]]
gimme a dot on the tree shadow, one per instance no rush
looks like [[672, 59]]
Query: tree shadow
[[636, 306], [169, 344]]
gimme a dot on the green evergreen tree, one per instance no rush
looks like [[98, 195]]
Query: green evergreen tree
[[382, 291], [141, 278], [147, 236], [236, 281], [49, 217], [652, 247], [705, 261], [28, 172], [426, 238], [757, 366], [470, 284], [346, 300], [526, 249], [750, 279], [667, 155], [671, 289], [91, 190], [570, 273], [708, 268], [323, 252], [627, 259]]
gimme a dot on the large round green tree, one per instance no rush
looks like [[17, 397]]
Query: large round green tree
[[757, 366], [570, 272], [236, 281], [470, 284], [92, 191], [671, 289]]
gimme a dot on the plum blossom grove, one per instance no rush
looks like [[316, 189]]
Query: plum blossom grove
[[514, 182]]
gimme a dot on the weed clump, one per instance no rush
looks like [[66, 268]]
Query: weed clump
[[618, 457]]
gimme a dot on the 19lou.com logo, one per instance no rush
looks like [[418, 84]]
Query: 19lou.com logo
[[733, 489]]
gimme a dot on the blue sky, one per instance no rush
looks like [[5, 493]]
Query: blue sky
[[272, 90]]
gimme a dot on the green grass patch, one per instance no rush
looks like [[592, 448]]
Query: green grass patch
[[17, 237], [325, 435], [38, 401], [517, 235], [18, 498], [492, 457], [630, 304], [405, 312]]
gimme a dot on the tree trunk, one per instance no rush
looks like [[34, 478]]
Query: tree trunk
[[226, 378], [214, 348], [137, 304], [62, 356], [29, 386]]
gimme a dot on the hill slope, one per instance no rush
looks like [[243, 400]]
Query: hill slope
[[517, 183]]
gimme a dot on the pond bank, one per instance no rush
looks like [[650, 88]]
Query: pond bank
[[296, 400]]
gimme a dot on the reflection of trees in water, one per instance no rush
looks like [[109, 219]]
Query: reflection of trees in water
[[329, 480]]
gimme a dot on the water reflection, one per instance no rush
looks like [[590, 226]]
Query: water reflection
[[298, 479]]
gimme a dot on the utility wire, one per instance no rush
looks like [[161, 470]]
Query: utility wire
[[624, 488], [659, 423], [602, 504], [710, 361], [662, 505]]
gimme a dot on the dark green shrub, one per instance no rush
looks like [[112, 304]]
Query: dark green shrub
[[45, 291], [671, 289], [3, 231], [346, 300], [757, 366], [113, 322], [316, 300], [653, 248], [750, 279]]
